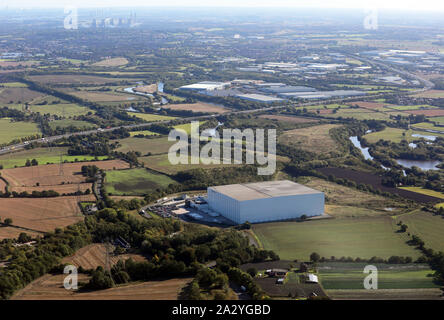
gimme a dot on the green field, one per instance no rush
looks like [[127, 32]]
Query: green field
[[429, 227], [150, 117], [43, 156], [63, 109], [408, 108], [64, 123], [13, 85], [145, 146], [354, 237], [337, 275], [138, 181], [187, 127], [395, 135], [359, 115], [438, 120], [15, 130], [428, 125]]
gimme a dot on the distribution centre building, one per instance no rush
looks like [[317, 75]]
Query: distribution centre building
[[265, 201]]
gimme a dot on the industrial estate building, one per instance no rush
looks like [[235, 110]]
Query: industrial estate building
[[265, 201]]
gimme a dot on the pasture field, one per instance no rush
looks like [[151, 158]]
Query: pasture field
[[13, 95], [150, 117], [48, 288], [10, 131], [348, 237], [326, 106], [337, 275], [43, 214], [438, 120], [390, 134], [428, 227], [408, 108], [94, 255], [428, 126], [65, 123], [289, 119], [342, 200], [145, 146], [43, 156], [187, 127], [396, 135], [50, 175], [63, 109], [173, 98], [197, 107], [315, 139], [113, 62], [134, 182]]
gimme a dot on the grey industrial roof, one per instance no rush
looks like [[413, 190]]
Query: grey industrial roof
[[262, 190]]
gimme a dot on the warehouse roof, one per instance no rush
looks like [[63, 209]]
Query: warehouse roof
[[262, 190]]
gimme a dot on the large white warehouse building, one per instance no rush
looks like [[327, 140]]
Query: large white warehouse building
[[265, 201]]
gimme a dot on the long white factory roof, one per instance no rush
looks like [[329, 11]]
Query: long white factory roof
[[262, 190]]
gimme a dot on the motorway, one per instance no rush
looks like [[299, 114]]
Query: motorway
[[427, 86]]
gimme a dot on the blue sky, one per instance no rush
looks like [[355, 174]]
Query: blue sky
[[425, 5]]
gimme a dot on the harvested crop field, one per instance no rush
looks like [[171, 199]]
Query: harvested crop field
[[368, 105], [43, 214], [50, 175], [151, 88], [197, 107], [94, 255], [428, 113], [289, 119], [61, 189], [50, 287], [2, 185], [13, 233], [375, 182]]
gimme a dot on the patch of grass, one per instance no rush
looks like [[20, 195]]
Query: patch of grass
[[407, 108], [144, 132], [395, 135], [13, 85], [354, 237], [138, 181]]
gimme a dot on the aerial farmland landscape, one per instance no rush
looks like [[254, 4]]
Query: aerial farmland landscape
[[221, 152]]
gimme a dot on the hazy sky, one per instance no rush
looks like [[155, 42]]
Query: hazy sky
[[426, 5]]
